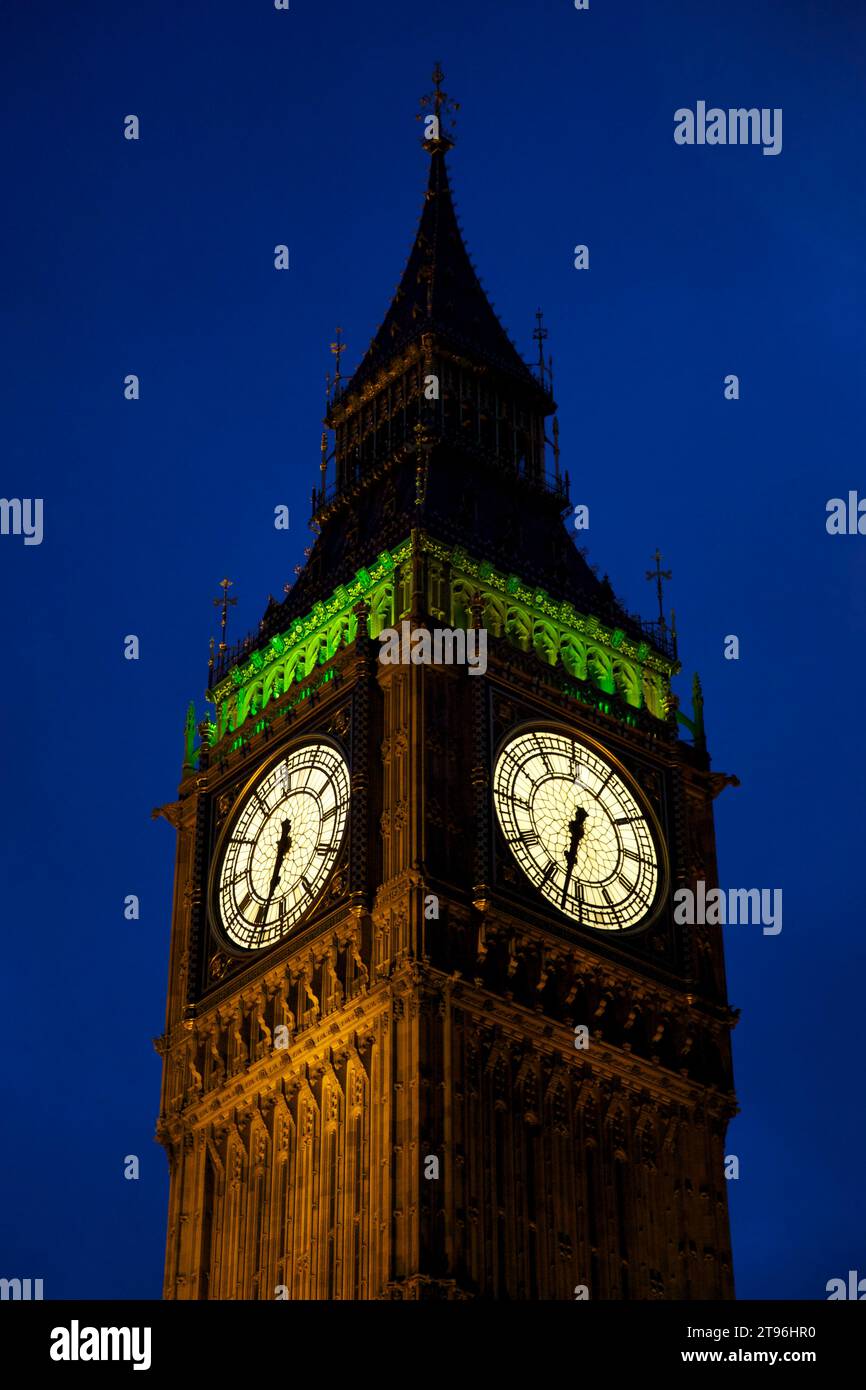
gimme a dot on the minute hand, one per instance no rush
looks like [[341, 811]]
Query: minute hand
[[576, 827]]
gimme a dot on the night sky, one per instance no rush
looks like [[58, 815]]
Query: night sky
[[155, 257]]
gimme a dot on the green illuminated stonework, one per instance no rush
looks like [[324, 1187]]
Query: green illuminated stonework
[[606, 658]]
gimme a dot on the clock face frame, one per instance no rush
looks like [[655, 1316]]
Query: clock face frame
[[579, 828], [279, 846]]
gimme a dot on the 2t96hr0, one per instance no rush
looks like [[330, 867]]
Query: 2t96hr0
[[785, 1331]]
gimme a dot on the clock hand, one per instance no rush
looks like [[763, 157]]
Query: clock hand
[[576, 827], [282, 850], [285, 844]]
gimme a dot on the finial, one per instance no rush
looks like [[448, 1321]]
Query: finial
[[189, 735], [539, 334], [224, 602], [323, 465], [338, 348], [658, 574], [435, 137], [697, 695], [699, 735], [438, 79]]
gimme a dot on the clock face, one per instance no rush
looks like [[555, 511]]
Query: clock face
[[280, 847], [577, 830]]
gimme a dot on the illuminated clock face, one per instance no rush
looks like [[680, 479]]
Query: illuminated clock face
[[577, 830], [281, 846]]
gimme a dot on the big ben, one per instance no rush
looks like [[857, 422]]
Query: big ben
[[433, 1031]]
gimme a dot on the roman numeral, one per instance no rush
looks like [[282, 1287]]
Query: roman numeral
[[542, 753]]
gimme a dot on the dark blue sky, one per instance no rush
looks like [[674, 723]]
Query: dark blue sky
[[156, 257]]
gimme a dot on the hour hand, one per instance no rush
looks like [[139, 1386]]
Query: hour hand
[[283, 847], [575, 826]]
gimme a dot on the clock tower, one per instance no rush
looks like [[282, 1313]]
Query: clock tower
[[432, 1028]]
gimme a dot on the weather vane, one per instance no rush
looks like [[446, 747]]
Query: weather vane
[[658, 574], [224, 602], [434, 107], [338, 348]]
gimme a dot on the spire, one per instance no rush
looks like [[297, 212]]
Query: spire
[[439, 292]]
